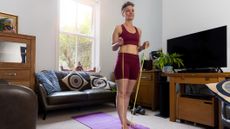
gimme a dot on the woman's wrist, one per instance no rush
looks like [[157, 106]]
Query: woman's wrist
[[140, 48], [117, 44]]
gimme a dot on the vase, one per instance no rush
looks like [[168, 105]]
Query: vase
[[167, 69]]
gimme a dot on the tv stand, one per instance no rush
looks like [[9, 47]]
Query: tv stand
[[191, 78]]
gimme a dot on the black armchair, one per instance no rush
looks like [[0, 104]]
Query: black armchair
[[225, 115], [18, 107]]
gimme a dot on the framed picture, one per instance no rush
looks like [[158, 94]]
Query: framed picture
[[8, 23]]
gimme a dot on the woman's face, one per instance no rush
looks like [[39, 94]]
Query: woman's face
[[128, 12]]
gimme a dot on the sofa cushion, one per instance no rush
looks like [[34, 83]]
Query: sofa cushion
[[97, 94], [60, 75], [221, 90], [49, 80], [66, 97], [77, 81], [112, 84], [99, 82]]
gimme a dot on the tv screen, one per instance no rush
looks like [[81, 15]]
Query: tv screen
[[205, 49]]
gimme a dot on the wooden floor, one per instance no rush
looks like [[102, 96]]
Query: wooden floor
[[61, 119]]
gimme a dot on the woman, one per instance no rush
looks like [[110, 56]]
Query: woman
[[126, 38]]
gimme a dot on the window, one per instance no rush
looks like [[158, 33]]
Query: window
[[77, 37]]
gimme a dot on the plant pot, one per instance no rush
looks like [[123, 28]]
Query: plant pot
[[167, 69]]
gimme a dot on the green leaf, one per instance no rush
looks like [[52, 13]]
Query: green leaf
[[168, 59]]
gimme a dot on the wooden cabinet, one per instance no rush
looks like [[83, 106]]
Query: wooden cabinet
[[148, 91], [178, 105], [17, 59], [198, 110]]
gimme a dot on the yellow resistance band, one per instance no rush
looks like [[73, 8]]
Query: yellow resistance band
[[138, 84]]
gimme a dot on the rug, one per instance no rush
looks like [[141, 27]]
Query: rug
[[100, 120]]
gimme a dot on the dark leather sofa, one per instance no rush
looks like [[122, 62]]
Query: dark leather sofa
[[18, 106], [67, 98]]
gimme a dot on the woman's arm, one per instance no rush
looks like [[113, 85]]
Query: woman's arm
[[117, 41], [116, 45], [145, 44], [139, 48]]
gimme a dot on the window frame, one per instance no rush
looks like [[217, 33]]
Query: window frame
[[94, 35]]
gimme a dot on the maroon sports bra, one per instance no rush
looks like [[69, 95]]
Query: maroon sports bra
[[129, 38]]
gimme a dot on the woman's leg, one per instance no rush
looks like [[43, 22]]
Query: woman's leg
[[129, 90], [133, 76], [122, 85]]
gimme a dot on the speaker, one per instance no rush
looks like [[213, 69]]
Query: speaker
[[163, 96], [148, 65], [154, 54]]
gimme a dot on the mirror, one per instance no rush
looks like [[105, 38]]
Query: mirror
[[12, 52]]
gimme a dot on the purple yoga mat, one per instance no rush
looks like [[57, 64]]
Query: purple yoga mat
[[102, 120]]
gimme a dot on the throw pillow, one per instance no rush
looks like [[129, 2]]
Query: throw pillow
[[60, 75], [77, 81], [99, 83], [49, 80]]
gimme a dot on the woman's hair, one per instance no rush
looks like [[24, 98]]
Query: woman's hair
[[128, 3]]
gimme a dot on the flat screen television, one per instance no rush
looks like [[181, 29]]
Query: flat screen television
[[201, 50]]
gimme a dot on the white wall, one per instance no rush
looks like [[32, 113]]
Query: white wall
[[110, 16], [181, 17], [39, 18], [147, 18]]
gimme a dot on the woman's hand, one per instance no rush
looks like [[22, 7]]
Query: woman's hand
[[120, 41], [117, 44], [145, 44]]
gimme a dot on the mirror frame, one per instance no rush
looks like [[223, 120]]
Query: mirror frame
[[13, 39]]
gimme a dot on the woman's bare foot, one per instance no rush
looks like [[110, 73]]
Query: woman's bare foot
[[125, 126], [131, 124]]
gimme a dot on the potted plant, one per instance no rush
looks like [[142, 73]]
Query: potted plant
[[2, 22], [166, 61]]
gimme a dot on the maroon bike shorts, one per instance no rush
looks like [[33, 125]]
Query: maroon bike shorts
[[131, 66]]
